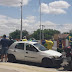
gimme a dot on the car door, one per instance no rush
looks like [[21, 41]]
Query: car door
[[31, 53], [19, 51]]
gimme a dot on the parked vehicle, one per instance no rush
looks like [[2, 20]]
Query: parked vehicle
[[33, 52]]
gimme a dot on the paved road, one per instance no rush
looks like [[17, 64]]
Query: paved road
[[24, 67], [28, 67], [14, 67]]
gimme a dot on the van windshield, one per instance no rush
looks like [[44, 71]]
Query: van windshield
[[40, 47]]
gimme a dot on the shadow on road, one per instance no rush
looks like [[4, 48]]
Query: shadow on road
[[61, 68], [65, 67], [32, 64]]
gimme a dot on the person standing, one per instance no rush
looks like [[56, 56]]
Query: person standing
[[11, 41], [60, 45], [4, 49]]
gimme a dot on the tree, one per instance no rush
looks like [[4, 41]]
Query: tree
[[16, 34], [66, 33], [48, 33], [25, 33], [36, 34]]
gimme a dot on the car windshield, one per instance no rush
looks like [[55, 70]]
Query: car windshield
[[40, 47]]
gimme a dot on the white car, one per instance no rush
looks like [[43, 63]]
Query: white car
[[33, 52]]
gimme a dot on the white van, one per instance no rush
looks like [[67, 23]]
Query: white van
[[33, 52]]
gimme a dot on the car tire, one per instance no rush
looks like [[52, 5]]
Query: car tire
[[46, 62], [11, 58]]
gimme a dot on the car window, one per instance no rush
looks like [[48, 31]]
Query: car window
[[40, 47], [30, 47], [20, 46]]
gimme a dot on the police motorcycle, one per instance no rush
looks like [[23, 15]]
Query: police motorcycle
[[68, 52]]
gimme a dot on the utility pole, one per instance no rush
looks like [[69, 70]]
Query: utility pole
[[43, 32], [21, 20], [40, 19]]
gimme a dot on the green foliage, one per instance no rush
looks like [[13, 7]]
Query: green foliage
[[16, 34], [25, 33], [48, 33], [66, 33], [36, 34]]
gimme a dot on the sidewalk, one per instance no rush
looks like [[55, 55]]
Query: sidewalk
[[14, 67], [7, 70], [4, 67]]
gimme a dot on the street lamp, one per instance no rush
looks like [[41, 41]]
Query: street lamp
[[40, 19], [43, 32], [21, 20]]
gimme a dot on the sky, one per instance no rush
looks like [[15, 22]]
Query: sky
[[55, 14]]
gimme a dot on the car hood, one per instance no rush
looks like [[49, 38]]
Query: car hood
[[52, 53]]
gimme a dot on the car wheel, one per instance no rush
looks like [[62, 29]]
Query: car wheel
[[11, 58], [47, 62]]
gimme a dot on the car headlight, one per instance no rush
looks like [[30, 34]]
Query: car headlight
[[56, 57], [51, 57]]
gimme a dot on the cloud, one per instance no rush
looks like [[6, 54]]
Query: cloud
[[59, 4], [30, 19], [13, 3], [60, 27], [66, 27], [56, 7], [8, 25]]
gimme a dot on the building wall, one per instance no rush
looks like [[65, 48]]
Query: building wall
[[55, 45], [65, 43]]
